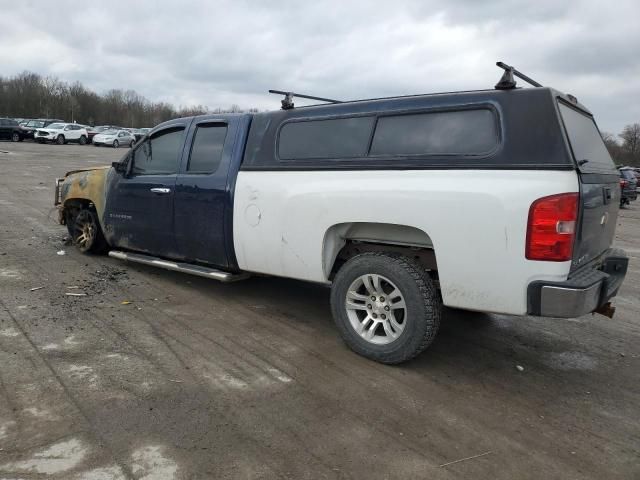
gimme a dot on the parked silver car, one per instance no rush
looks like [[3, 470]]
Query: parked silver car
[[114, 138]]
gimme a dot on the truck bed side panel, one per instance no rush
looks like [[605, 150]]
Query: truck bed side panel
[[476, 220]]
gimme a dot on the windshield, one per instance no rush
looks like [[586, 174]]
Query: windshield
[[110, 132], [628, 174], [56, 126], [35, 123], [589, 150]]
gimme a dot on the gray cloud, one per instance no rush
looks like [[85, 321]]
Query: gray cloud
[[225, 52]]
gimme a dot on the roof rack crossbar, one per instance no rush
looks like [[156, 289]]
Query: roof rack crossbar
[[287, 102], [507, 80]]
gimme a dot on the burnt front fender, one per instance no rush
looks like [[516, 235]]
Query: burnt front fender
[[84, 186]]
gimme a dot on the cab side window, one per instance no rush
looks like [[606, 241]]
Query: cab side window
[[206, 151], [158, 155]]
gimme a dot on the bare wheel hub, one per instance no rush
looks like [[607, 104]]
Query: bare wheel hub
[[376, 309], [85, 230]]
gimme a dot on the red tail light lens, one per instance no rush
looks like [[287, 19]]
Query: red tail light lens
[[551, 228]]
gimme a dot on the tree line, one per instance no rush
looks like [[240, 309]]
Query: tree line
[[30, 95], [625, 151]]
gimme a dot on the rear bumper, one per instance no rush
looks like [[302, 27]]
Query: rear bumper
[[583, 292]]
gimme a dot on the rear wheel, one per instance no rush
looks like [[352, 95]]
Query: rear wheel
[[15, 137], [133, 142], [386, 306], [83, 140], [116, 144], [86, 233], [60, 140]]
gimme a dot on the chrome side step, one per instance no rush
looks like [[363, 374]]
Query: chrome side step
[[179, 267]]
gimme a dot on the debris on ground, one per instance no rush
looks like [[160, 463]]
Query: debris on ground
[[125, 302], [520, 368], [467, 458], [61, 252], [35, 288], [71, 294]]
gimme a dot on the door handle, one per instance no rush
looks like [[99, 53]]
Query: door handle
[[161, 190]]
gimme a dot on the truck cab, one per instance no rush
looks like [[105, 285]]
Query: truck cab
[[173, 194]]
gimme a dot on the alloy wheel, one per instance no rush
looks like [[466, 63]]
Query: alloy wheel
[[376, 309]]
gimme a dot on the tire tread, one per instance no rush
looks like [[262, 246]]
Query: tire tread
[[428, 296]]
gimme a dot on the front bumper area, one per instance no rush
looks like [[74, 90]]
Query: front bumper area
[[585, 291], [49, 137]]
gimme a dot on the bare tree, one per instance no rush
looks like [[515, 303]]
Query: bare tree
[[631, 143], [614, 148], [29, 95]]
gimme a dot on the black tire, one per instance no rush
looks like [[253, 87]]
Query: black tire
[[15, 137], [60, 140], [421, 317], [83, 140], [116, 144], [84, 229], [133, 142]]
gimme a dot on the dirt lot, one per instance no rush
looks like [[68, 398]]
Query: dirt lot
[[195, 379]]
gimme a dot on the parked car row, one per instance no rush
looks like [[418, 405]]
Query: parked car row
[[48, 130], [629, 184]]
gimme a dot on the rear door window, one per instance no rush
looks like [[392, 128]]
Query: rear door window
[[589, 150], [206, 151]]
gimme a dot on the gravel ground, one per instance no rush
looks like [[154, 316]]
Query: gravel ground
[[158, 375]]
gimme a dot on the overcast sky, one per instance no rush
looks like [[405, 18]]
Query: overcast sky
[[218, 53]]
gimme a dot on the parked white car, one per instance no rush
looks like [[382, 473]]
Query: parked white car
[[62, 133], [115, 138]]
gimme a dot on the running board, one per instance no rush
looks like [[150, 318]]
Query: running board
[[179, 267]]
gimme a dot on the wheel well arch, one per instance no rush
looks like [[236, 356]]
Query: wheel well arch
[[71, 206], [344, 240]]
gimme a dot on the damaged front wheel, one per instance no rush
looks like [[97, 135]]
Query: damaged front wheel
[[86, 232]]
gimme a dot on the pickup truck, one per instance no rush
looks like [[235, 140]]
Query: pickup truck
[[501, 200]]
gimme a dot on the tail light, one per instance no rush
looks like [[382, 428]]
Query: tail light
[[623, 183], [551, 228]]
